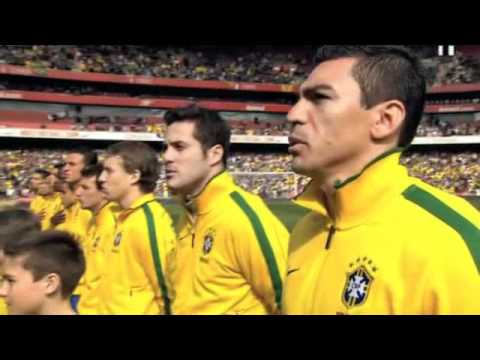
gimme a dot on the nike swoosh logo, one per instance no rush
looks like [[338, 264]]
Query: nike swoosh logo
[[292, 271]]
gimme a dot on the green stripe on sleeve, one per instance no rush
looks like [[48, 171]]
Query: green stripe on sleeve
[[469, 232], [152, 235], [264, 245]]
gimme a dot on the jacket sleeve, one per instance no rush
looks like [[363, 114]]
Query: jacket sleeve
[[158, 241], [453, 279], [260, 244]]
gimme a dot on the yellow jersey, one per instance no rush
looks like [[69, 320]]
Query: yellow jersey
[[99, 236], [232, 258], [77, 222], [50, 205], [394, 245], [3, 307], [134, 281]]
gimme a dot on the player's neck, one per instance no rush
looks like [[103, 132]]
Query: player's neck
[[57, 307], [198, 189], [70, 206], [133, 194], [99, 207], [327, 179]]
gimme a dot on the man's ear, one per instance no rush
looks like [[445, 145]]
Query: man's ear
[[52, 283], [135, 177], [388, 120], [215, 155]]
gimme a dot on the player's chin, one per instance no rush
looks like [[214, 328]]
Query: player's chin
[[172, 182], [299, 167], [112, 198], [107, 194]]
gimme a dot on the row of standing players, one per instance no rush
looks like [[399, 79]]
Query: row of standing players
[[227, 255]]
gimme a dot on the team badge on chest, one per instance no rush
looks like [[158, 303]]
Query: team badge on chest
[[359, 282], [208, 241]]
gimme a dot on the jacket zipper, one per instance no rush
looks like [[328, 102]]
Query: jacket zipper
[[331, 232]]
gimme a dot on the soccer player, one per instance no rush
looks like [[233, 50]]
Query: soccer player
[[75, 161], [35, 179], [376, 241], [40, 271], [74, 219], [46, 203], [135, 281], [100, 234], [231, 251], [14, 221]]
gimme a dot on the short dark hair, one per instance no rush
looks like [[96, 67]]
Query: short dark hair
[[42, 172], [14, 221], [385, 73], [210, 128], [89, 156], [138, 156], [93, 171], [59, 165], [50, 252]]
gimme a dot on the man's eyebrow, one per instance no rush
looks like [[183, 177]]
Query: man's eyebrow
[[177, 142], [313, 88]]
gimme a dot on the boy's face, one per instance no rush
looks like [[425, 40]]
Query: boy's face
[[22, 294]]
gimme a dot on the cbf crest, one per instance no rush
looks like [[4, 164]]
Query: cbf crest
[[208, 241], [359, 282]]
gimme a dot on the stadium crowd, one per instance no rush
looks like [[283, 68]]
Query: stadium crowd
[[456, 172], [258, 64], [435, 126], [272, 66]]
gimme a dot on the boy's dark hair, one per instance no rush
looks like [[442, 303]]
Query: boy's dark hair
[[93, 171], [50, 252], [386, 73], [210, 128], [89, 156], [138, 156], [14, 221]]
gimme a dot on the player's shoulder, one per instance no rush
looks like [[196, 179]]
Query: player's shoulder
[[248, 213], [437, 206], [431, 218], [245, 204], [151, 211]]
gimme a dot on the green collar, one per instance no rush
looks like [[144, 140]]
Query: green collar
[[339, 184]]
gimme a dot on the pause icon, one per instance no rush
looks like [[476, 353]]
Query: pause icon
[[450, 50]]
